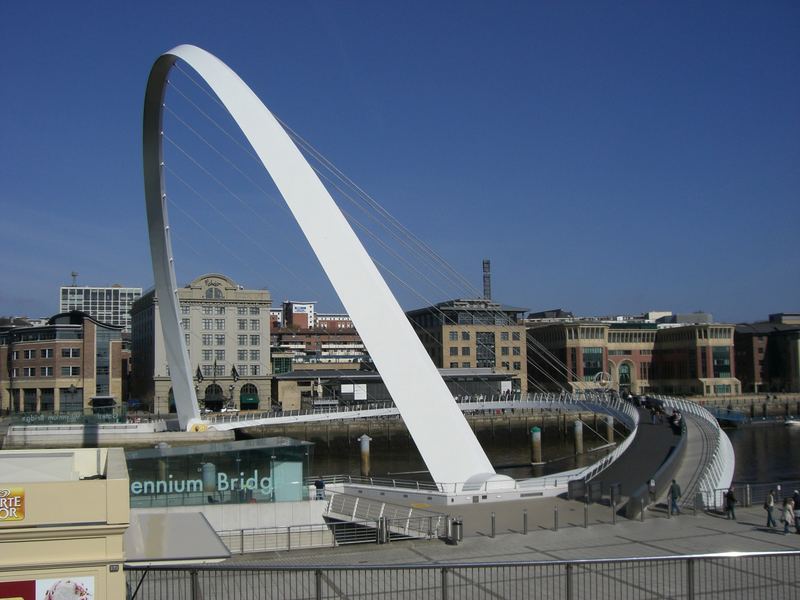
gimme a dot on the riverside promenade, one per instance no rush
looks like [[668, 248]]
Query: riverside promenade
[[705, 533]]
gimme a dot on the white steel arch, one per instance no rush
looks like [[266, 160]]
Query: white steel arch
[[447, 444]]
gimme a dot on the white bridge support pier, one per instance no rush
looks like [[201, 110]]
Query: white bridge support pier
[[444, 439]]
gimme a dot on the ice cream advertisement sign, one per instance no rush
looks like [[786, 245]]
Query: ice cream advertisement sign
[[12, 504], [73, 588]]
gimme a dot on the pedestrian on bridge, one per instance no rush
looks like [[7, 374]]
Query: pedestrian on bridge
[[788, 514], [674, 494], [730, 504], [769, 506]]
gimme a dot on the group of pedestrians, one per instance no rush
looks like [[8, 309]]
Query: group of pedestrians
[[788, 515]]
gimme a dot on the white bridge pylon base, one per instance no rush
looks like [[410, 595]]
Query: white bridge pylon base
[[441, 433]]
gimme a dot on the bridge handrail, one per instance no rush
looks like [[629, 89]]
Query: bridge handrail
[[718, 473]]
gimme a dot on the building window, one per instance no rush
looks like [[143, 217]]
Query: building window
[[14, 372], [255, 355], [241, 324], [465, 351], [242, 370], [721, 356], [255, 340], [185, 324], [208, 339], [184, 310], [46, 353], [241, 355], [503, 336], [453, 351], [206, 370], [70, 371], [255, 310], [219, 339], [515, 336], [255, 369], [453, 335], [485, 353], [47, 371], [15, 355], [241, 340], [219, 310], [453, 365], [255, 325], [241, 310], [29, 354], [219, 354], [70, 353], [188, 339], [219, 324], [208, 310], [517, 366], [29, 372], [516, 351], [208, 354], [466, 365], [592, 362], [503, 350], [465, 336], [208, 324], [505, 365]]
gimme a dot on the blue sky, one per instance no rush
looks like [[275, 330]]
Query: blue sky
[[608, 157]]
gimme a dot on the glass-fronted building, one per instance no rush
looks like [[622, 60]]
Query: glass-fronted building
[[241, 472]]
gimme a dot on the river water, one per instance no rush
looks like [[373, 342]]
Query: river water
[[765, 452]]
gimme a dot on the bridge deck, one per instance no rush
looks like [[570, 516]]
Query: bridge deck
[[644, 456]]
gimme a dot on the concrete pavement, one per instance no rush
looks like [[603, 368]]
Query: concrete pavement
[[656, 536]]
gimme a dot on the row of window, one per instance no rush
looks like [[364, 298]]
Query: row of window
[[46, 353], [45, 372], [219, 355], [504, 350], [210, 339], [219, 324], [241, 370], [504, 365], [465, 336], [220, 310]]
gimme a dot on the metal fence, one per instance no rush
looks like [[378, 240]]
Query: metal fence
[[734, 576], [323, 535]]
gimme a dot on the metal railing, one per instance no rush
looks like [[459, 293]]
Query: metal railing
[[719, 469], [470, 403], [326, 535], [732, 576]]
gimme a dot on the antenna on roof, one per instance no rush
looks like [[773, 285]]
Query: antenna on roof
[[74, 278], [487, 280]]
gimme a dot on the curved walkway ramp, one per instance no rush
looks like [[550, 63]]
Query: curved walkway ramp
[[712, 450], [652, 446]]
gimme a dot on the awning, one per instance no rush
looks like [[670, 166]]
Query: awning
[[172, 539]]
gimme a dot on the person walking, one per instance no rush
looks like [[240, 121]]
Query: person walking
[[674, 494], [796, 504], [788, 514], [730, 504], [769, 506]]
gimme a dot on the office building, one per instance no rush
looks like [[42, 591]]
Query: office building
[[226, 331], [71, 364], [479, 333], [110, 305]]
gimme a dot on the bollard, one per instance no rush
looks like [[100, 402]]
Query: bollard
[[610, 429], [669, 507], [555, 518], [525, 521], [365, 440], [585, 515], [641, 511], [493, 525], [536, 445], [578, 437], [748, 500]]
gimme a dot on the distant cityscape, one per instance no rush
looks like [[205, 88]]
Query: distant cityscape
[[105, 348]]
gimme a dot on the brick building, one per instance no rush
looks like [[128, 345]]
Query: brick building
[[70, 364]]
